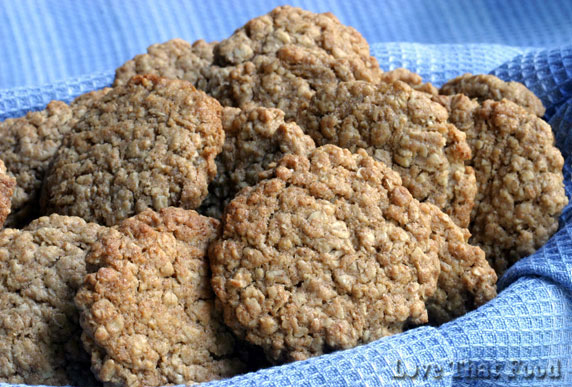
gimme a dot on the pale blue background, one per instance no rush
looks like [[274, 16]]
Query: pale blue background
[[46, 41]]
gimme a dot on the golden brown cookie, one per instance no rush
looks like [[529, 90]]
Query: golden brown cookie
[[41, 267], [329, 253], [7, 184], [466, 280], [147, 307], [255, 138], [486, 86], [176, 59], [279, 59], [402, 128], [519, 177], [149, 144], [27, 145]]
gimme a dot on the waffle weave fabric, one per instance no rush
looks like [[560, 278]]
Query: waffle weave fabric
[[521, 338]]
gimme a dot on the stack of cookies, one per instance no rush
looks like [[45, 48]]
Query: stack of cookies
[[273, 192]]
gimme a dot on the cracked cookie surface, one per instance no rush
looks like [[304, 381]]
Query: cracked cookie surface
[[147, 308], [255, 139], [149, 144], [329, 253], [519, 177], [41, 267], [404, 129], [486, 86]]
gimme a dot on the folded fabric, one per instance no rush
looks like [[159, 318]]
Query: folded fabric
[[47, 41]]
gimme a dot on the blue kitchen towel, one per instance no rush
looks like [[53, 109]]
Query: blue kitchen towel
[[521, 338], [43, 41]]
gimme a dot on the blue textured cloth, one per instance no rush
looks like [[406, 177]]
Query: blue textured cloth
[[58, 50]]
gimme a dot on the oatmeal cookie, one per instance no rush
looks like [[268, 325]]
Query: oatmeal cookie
[[466, 281], [485, 87], [279, 59], [27, 145], [330, 253], [150, 143], [41, 267], [519, 177], [255, 138], [176, 59], [147, 308], [404, 129], [7, 184]]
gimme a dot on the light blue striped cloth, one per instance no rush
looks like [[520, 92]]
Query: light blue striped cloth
[[60, 49]]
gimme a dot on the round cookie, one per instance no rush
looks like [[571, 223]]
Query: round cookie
[[486, 86], [150, 143], [7, 184], [255, 139], [466, 281], [519, 177], [147, 308], [330, 253], [404, 129], [176, 59], [41, 267], [279, 59], [27, 145]]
